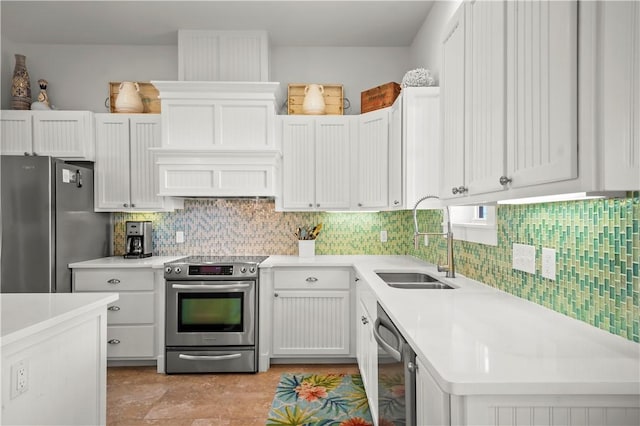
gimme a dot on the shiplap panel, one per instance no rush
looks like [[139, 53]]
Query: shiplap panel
[[145, 134], [298, 167], [311, 322], [562, 416], [332, 164]]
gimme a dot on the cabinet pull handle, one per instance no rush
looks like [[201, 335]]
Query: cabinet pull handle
[[505, 180], [114, 342], [364, 320], [311, 279], [114, 308], [113, 281], [357, 279]]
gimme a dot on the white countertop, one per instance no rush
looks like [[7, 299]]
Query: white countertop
[[25, 314], [479, 340], [121, 262]]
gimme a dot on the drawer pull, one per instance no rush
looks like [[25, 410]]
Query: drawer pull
[[311, 279], [113, 342], [209, 357], [113, 281], [114, 308]]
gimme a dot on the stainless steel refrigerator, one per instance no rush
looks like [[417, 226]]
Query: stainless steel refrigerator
[[48, 221]]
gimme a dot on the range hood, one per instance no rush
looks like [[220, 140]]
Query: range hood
[[218, 139]]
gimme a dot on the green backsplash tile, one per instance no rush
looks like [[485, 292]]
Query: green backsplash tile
[[597, 245]]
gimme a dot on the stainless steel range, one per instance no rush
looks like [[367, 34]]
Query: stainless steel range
[[211, 314]]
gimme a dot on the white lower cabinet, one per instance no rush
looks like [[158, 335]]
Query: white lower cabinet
[[132, 331], [432, 404], [366, 346], [311, 313]]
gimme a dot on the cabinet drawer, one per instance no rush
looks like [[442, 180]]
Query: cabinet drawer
[[131, 341], [312, 278], [131, 308], [112, 279]]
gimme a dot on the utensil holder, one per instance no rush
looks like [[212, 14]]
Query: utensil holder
[[306, 248]]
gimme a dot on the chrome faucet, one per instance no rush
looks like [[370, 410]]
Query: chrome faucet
[[449, 268]]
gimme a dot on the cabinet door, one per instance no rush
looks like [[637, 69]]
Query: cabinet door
[[452, 86], [314, 323], [333, 162], [484, 96], [64, 134], [396, 200], [298, 163], [15, 132], [372, 161], [620, 63], [112, 169], [433, 408], [144, 133], [541, 91]]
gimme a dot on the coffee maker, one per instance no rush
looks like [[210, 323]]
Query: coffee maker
[[138, 239]]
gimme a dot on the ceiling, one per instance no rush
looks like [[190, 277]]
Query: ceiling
[[152, 22]]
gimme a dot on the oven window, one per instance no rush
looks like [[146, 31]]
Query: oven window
[[213, 312]]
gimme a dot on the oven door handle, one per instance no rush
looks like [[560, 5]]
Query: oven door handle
[[395, 353], [209, 286], [208, 357]]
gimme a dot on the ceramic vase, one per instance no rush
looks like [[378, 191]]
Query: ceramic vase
[[128, 99], [313, 99], [306, 248], [20, 85]]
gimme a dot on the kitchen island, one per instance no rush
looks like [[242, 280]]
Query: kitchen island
[[487, 357], [54, 358]]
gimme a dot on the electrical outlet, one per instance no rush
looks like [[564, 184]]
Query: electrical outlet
[[383, 236], [523, 257], [549, 263], [19, 378], [426, 240], [179, 237]]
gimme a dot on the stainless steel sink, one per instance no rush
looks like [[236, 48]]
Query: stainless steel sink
[[413, 280]]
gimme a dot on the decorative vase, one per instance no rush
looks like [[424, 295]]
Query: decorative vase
[[128, 99], [313, 99], [306, 248], [20, 85]]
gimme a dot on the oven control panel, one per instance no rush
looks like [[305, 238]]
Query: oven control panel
[[209, 271]]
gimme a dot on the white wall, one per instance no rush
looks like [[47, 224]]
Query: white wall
[[425, 49], [79, 75]]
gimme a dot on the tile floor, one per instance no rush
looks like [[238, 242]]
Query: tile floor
[[140, 396]]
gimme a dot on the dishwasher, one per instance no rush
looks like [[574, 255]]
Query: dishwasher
[[396, 374]]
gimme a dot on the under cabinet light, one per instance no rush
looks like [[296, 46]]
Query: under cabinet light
[[574, 196]]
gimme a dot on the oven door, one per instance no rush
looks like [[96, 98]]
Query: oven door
[[210, 313]]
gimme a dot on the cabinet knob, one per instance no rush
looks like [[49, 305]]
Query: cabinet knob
[[133, 205], [364, 320], [125, 205], [113, 342], [396, 202], [310, 205], [505, 180], [357, 279], [311, 279], [454, 190], [462, 190], [114, 308], [113, 281], [275, 294], [359, 204], [318, 205]]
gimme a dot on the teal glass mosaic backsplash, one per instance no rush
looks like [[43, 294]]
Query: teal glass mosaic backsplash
[[597, 247]]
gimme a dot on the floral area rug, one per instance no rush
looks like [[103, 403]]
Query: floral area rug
[[320, 400]]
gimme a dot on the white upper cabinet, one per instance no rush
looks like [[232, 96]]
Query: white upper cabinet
[[542, 86], [484, 158], [371, 160], [452, 101], [316, 162], [63, 134], [509, 99], [223, 55], [620, 82], [126, 176]]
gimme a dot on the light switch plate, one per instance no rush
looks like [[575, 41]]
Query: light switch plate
[[179, 236], [383, 236], [523, 257], [549, 263]]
